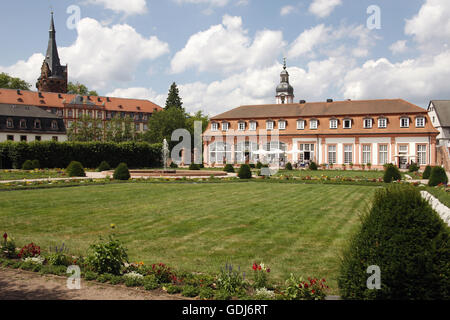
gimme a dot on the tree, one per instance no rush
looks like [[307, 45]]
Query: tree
[[8, 82], [163, 123], [86, 129], [173, 99], [81, 89]]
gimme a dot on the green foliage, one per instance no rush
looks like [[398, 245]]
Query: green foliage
[[8, 82], [427, 173], [173, 165], [437, 176], [230, 281], [299, 289], [133, 281], [108, 257], [104, 166], [313, 166], [90, 275], [222, 295], [163, 123], [190, 291], [173, 289], [81, 89], [245, 172], [229, 168], [116, 280], [194, 166], [405, 237], [173, 98], [206, 293], [122, 172], [103, 278], [391, 173], [75, 169], [289, 166], [413, 167], [9, 247], [151, 283], [36, 164], [57, 270], [259, 165], [27, 165], [59, 259]]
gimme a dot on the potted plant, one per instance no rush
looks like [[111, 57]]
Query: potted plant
[[369, 165], [363, 167], [344, 166], [351, 165]]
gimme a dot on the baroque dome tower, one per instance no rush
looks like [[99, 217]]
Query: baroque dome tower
[[284, 92]]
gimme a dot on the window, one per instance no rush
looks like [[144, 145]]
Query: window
[[23, 138], [137, 126], [313, 124], [55, 138], [420, 122], [215, 126], [99, 114], [54, 125], [89, 114], [145, 127], [382, 123], [269, 125], [38, 138], [9, 123], [404, 122], [253, 126], [70, 113], [23, 124], [220, 152], [37, 124], [366, 154], [333, 124], [69, 124], [282, 125], [225, 126], [301, 125], [368, 123], [348, 154], [422, 154], [347, 124], [403, 149], [80, 113], [383, 154], [10, 138], [331, 154], [241, 126]]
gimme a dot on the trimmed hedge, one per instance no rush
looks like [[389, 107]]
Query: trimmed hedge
[[229, 168], [427, 172], [75, 169], [27, 165], [289, 166], [245, 172], [392, 173], [408, 240], [313, 166], [437, 176], [51, 154], [104, 166], [122, 172]]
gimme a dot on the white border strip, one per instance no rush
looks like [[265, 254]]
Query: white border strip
[[441, 209]]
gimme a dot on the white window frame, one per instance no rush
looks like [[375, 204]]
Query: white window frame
[[253, 126], [422, 154], [270, 125], [366, 154], [347, 121], [214, 126], [300, 124], [368, 123], [333, 124], [225, 126], [382, 123], [402, 123], [422, 124], [241, 126], [383, 155], [282, 124], [348, 154], [332, 159], [313, 124]]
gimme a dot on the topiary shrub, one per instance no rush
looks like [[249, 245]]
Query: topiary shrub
[[173, 165], [427, 173], [289, 166], [229, 168], [391, 173], [36, 165], [407, 240], [122, 172], [27, 165], [245, 172], [413, 167], [313, 166], [75, 169], [104, 166], [259, 165], [437, 176], [194, 166]]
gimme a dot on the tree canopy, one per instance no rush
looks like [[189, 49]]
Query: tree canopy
[[173, 98], [8, 82], [81, 89]]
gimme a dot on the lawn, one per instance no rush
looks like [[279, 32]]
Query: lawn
[[293, 228], [6, 175], [372, 174]]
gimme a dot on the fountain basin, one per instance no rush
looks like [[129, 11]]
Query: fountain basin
[[173, 173]]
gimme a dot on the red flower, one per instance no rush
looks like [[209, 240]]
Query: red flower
[[313, 291], [255, 267], [268, 270], [306, 285], [259, 267], [5, 236]]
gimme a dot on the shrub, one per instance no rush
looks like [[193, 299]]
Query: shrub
[[27, 165], [9, 247], [194, 166], [259, 165], [102, 278], [437, 176], [407, 240], [75, 169], [413, 167], [90, 276], [190, 291], [36, 164], [162, 273], [252, 166], [172, 289], [173, 165], [57, 270], [245, 172], [107, 257], [122, 172], [391, 173], [260, 272], [59, 259], [289, 166], [313, 166], [230, 281], [104, 166], [206, 293], [427, 172], [29, 251], [133, 279], [151, 283], [229, 168], [116, 280], [299, 289]]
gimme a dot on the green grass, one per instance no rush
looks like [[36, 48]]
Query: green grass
[[293, 228], [440, 193], [6, 175], [334, 173]]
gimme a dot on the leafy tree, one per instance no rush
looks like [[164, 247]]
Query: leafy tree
[[81, 89], [86, 129], [8, 82], [173, 99], [163, 123]]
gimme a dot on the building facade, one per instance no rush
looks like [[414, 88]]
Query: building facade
[[439, 113], [337, 133]]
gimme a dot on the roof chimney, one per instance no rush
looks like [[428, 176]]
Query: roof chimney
[[40, 95], [18, 92], [302, 101], [329, 100]]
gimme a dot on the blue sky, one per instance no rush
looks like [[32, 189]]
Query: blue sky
[[226, 53]]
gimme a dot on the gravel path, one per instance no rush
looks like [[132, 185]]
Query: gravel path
[[25, 285]]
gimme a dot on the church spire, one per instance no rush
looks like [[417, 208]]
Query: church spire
[[52, 57], [285, 92]]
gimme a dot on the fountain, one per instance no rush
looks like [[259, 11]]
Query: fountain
[[165, 153]]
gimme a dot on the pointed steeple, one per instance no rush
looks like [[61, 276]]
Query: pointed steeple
[[284, 92], [52, 57]]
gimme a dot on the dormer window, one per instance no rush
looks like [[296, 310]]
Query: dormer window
[[404, 122], [333, 124], [9, 123], [253, 126], [37, 124], [382, 123], [214, 126], [269, 125], [23, 124], [300, 124], [55, 125], [241, 126], [420, 122], [313, 124], [368, 123], [282, 125], [347, 123], [225, 126]]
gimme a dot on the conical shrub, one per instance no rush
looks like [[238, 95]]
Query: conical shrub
[[122, 172]]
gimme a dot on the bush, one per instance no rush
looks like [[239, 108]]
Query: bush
[[299, 289], [36, 164], [259, 165], [162, 273], [116, 280], [108, 257], [150, 283], [245, 172], [230, 281], [391, 173], [27, 165], [407, 239], [75, 169], [59, 259], [229, 168], [172, 289], [289, 166], [104, 166], [313, 166], [173, 165], [29, 251], [194, 166], [122, 172], [413, 167], [437, 176], [133, 280], [90, 276], [206, 293], [8, 247], [427, 173], [104, 277], [57, 270], [190, 291]]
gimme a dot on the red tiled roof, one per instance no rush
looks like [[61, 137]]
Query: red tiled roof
[[57, 100]]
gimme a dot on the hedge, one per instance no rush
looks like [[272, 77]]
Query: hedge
[[51, 154]]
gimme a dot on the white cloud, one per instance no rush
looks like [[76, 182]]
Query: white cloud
[[398, 47], [227, 47], [431, 26], [323, 8], [139, 93], [129, 7], [29, 70], [286, 10], [308, 40]]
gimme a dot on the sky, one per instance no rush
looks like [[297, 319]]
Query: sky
[[227, 53]]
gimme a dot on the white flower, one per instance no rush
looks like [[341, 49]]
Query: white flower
[[133, 274], [265, 294], [35, 260]]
